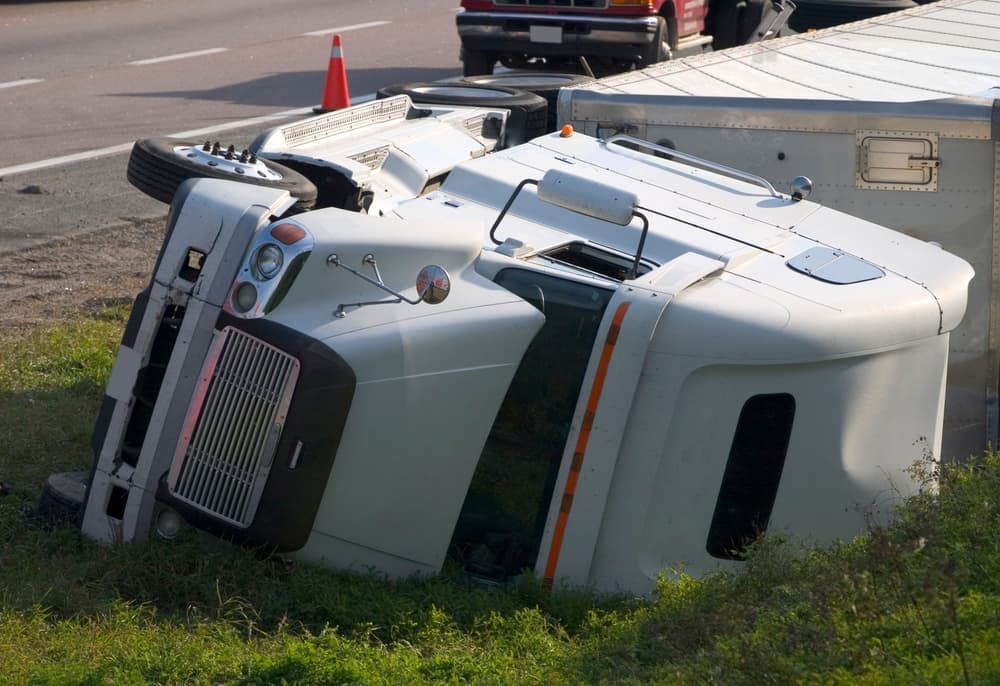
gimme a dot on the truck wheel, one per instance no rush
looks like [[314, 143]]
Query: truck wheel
[[724, 23], [673, 33], [157, 166], [750, 16], [545, 84], [660, 48], [62, 498], [528, 112], [476, 62]]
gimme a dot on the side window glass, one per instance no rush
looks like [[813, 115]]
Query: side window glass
[[753, 471], [500, 527]]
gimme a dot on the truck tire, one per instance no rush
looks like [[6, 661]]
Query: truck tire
[[528, 112], [157, 166], [545, 84], [659, 50], [477, 62], [673, 33], [62, 498], [724, 23]]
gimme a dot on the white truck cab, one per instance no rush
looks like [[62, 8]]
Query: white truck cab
[[585, 359]]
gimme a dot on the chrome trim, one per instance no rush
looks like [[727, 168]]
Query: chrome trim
[[341, 121], [233, 426], [266, 288], [696, 161], [472, 19], [374, 158], [575, 4]]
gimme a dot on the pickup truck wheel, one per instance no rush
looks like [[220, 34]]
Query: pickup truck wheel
[[528, 112], [157, 166], [545, 84], [724, 23], [476, 62], [659, 50], [62, 498]]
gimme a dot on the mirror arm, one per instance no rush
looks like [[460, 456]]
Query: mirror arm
[[333, 260]]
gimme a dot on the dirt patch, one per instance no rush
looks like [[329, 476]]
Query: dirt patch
[[61, 278]]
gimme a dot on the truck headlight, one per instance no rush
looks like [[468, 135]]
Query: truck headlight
[[267, 261], [244, 297], [269, 268]]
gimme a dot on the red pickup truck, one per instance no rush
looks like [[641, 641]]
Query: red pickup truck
[[615, 32]]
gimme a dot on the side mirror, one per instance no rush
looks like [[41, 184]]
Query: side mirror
[[433, 284], [801, 187]]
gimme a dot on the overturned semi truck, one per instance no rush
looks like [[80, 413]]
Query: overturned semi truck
[[586, 359]]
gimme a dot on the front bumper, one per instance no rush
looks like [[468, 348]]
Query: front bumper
[[547, 35]]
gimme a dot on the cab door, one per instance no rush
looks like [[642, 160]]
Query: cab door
[[576, 517], [499, 530]]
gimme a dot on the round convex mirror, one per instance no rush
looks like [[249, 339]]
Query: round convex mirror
[[433, 284], [801, 187]]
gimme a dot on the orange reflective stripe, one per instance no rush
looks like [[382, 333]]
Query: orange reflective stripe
[[581, 444]]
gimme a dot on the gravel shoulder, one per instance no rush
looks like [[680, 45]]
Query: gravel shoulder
[[75, 237], [58, 279]]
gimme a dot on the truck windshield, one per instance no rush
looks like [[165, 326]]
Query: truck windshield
[[499, 530]]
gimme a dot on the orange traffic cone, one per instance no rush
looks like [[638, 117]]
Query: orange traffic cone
[[335, 95]]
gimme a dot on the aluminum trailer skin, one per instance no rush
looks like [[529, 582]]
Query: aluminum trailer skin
[[575, 357], [895, 119]]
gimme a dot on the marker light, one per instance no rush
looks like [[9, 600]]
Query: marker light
[[566, 131], [288, 233]]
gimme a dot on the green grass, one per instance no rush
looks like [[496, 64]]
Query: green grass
[[914, 603]]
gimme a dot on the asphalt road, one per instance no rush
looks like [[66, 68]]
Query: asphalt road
[[80, 80]]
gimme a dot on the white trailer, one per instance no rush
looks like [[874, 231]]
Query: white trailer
[[894, 119], [575, 357]]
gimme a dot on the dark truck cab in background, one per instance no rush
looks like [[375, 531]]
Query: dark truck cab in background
[[614, 32]]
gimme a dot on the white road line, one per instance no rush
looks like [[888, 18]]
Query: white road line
[[178, 56], [20, 82], [65, 159], [194, 133], [344, 29]]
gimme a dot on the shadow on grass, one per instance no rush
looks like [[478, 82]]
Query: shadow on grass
[[47, 424]]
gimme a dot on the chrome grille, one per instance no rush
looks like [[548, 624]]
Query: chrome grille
[[343, 121], [475, 125], [373, 158], [233, 426]]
